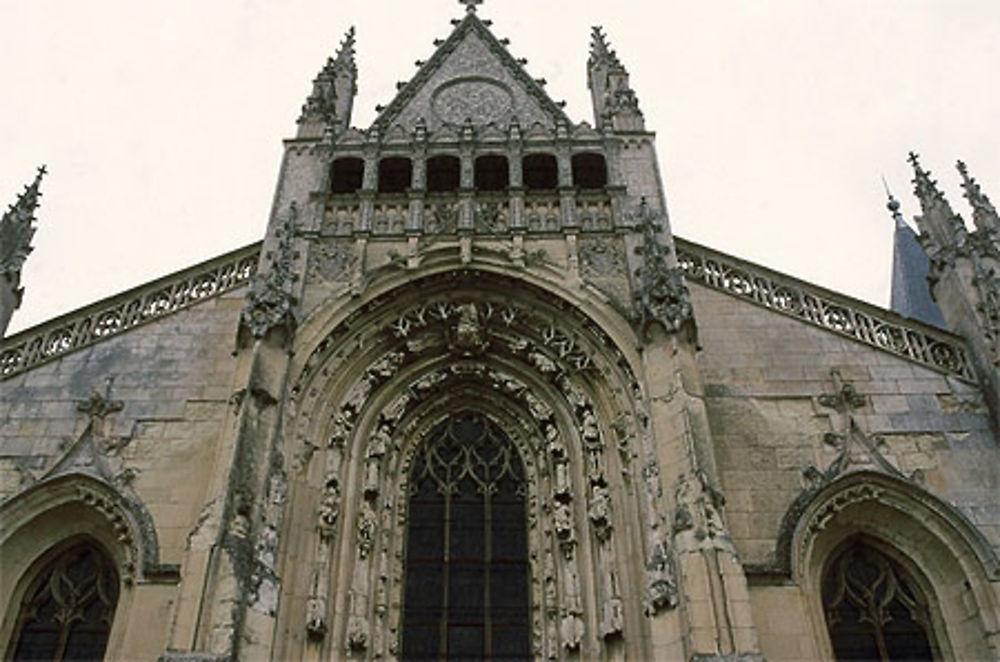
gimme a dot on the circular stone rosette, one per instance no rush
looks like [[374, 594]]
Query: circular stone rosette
[[481, 100]]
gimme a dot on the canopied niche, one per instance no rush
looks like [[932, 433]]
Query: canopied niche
[[544, 378]]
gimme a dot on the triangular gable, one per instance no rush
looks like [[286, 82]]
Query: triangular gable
[[473, 77]]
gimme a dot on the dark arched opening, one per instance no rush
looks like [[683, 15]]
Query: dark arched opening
[[589, 171], [394, 174], [540, 172], [443, 174], [67, 611], [874, 608], [347, 175], [466, 586], [492, 173]]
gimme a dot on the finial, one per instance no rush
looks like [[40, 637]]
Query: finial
[[984, 214], [893, 204], [470, 5], [16, 226]]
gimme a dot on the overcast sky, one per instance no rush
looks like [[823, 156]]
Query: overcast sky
[[161, 121]]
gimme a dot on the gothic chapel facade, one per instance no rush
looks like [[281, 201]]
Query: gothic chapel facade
[[471, 399]]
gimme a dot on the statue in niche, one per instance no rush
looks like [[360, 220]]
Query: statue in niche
[[661, 592], [468, 337], [600, 509], [571, 627], [612, 617], [552, 640], [366, 525], [315, 621], [699, 508], [329, 506], [357, 623], [378, 446], [550, 578], [563, 520], [589, 430]]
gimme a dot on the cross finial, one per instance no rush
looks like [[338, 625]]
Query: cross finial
[[470, 5]]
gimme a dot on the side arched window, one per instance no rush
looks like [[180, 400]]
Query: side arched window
[[874, 609], [66, 612], [466, 586]]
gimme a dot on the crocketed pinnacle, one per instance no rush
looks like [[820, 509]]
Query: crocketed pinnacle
[[344, 59], [328, 86], [17, 227], [601, 51], [924, 187], [984, 214]]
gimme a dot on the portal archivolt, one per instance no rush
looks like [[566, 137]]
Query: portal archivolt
[[376, 389]]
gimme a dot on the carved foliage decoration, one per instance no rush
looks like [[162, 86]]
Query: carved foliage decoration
[[270, 301], [661, 296]]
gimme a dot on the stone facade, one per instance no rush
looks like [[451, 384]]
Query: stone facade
[[698, 438]]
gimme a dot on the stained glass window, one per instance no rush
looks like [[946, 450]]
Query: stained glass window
[[874, 609], [66, 612], [466, 590]]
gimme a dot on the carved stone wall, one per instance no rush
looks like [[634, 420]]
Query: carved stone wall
[[795, 409], [139, 414]]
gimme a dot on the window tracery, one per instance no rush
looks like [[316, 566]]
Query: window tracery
[[466, 586], [874, 609], [67, 611]]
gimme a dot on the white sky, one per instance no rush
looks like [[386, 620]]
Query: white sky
[[161, 121]]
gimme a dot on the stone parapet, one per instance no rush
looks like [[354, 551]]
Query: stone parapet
[[865, 323], [127, 310]]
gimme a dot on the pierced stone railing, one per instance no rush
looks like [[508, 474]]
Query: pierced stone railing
[[855, 319], [125, 311]]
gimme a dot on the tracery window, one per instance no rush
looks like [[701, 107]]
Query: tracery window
[[874, 609], [67, 610], [466, 585]]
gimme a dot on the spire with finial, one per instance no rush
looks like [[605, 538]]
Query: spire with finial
[[470, 5], [332, 97], [17, 228], [984, 214], [893, 205], [910, 295]]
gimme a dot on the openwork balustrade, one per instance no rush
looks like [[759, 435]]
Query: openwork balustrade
[[868, 324], [127, 310], [492, 213]]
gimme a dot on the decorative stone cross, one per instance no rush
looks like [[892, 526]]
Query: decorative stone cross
[[470, 5]]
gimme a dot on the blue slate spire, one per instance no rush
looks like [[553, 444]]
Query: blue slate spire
[[911, 294]]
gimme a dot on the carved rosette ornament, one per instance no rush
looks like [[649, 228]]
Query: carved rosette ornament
[[662, 295], [269, 301]]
